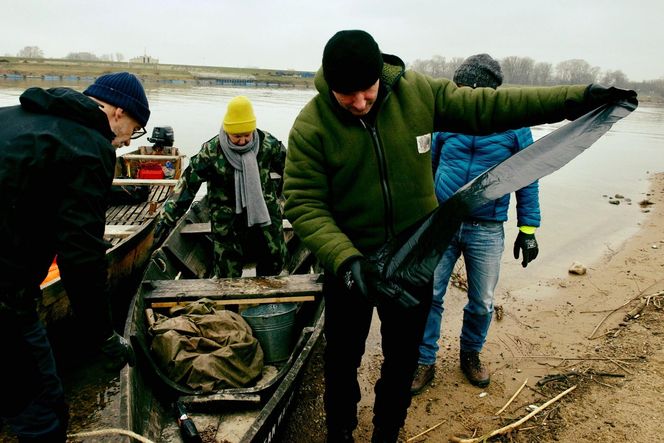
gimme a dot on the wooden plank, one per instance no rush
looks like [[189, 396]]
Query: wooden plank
[[218, 397], [196, 228], [120, 230], [144, 181], [206, 228], [232, 288], [150, 157], [238, 301]]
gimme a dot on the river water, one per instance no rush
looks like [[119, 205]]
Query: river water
[[578, 223]]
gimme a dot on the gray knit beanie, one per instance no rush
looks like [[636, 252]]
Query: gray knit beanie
[[479, 71]]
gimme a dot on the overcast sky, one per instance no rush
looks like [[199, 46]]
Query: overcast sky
[[625, 35]]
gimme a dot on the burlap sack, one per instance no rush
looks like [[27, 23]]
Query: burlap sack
[[206, 349]]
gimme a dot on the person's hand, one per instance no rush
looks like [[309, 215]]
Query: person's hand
[[359, 276], [595, 96], [601, 94], [527, 244], [362, 277], [118, 351], [161, 231]]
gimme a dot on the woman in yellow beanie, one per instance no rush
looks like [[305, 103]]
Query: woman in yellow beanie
[[244, 202]]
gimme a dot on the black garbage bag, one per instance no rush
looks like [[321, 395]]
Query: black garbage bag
[[412, 256]]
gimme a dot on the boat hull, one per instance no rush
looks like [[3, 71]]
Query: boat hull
[[251, 414], [129, 230]]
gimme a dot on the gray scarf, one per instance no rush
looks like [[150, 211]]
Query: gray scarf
[[248, 191]]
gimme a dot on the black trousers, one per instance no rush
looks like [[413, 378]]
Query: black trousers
[[33, 399], [347, 322]]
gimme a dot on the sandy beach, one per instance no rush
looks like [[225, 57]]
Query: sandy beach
[[555, 333], [547, 312]]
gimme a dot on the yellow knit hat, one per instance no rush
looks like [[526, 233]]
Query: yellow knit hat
[[240, 116]]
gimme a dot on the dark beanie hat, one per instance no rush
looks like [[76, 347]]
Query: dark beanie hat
[[479, 70], [351, 61], [123, 90]]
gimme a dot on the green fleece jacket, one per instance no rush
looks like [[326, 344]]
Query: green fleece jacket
[[351, 185]]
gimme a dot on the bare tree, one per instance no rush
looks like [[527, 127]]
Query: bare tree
[[525, 71], [432, 67], [438, 66], [576, 71], [81, 56], [615, 78], [517, 70], [31, 52], [542, 73], [452, 66], [420, 66]]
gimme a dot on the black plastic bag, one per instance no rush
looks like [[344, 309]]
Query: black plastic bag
[[413, 255]]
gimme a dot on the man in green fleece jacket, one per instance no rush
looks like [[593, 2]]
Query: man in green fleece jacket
[[356, 176]]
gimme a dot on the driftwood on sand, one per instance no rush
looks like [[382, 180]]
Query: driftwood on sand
[[516, 424]]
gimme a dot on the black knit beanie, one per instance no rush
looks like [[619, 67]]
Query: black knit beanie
[[479, 71], [124, 90], [351, 61]]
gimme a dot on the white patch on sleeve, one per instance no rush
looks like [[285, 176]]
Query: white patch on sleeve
[[423, 143]]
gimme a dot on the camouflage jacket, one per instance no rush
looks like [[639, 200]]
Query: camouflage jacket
[[211, 166]]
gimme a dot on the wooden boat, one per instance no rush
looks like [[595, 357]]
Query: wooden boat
[[129, 227], [178, 273]]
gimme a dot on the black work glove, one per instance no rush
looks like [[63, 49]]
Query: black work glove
[[161, 231], [358, 275], [118, 351], [363, 277], [596, 96], [601, 94], [528, 246]]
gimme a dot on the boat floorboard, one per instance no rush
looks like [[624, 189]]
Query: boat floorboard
[[135, 214]]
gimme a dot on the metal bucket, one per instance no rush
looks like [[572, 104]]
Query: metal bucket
[[272, 325]]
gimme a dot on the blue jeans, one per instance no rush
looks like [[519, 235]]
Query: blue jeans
[[481, 244]]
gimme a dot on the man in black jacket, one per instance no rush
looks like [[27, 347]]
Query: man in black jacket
[[57, 158]]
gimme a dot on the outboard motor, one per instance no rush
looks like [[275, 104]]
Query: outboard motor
[[162, 136]]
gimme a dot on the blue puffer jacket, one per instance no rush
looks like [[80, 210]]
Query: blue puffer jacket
[[458, 158]]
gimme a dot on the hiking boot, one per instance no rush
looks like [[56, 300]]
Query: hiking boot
[[340, 436], [423, 376], [380, 435], [471, 366]]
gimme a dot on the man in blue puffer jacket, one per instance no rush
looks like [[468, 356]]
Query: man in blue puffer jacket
[[457, 159]]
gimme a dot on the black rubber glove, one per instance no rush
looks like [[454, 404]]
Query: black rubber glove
[[161, 231], [601, 94], [596, 96], [358, 276], [363, 277], [118, 351], [527, 244]]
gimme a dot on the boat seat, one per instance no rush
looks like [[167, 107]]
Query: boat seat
[[205, 228], [120, 230], [234, 291]]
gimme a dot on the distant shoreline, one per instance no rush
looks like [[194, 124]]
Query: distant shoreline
[[61, 70], [16, 68]]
